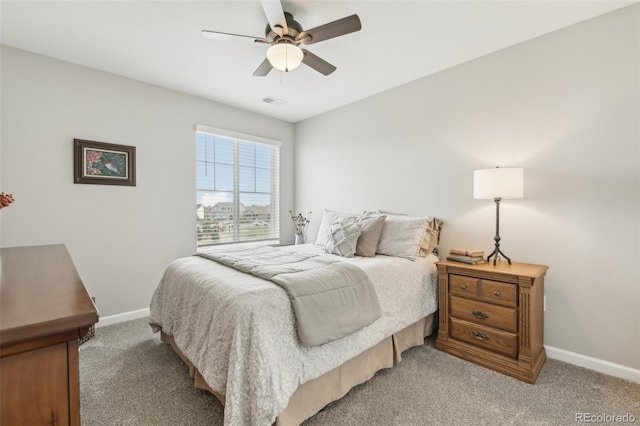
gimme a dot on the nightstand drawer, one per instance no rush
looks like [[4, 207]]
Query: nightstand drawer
[[484, 314], [485, 337], [497, 292], [463, 286]]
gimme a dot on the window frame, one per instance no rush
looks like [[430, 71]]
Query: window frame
[[236, 192]]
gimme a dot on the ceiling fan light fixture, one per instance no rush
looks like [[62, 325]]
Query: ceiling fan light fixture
[[285, 56]]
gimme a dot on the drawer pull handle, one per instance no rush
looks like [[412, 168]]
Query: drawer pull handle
[[480, 314], [480, 336], [496, 293], [464, 287]]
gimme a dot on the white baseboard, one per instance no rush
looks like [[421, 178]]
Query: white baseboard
[[126, 316], [596, 364]]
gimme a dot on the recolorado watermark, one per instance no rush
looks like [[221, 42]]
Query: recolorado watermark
[[605, 418]]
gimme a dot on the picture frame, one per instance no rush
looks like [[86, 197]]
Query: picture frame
[[103, 163]]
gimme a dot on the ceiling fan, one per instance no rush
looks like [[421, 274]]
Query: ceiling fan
[[285, 35]]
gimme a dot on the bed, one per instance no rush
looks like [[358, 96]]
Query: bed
[[237, 333]]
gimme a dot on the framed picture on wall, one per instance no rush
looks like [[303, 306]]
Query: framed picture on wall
[[103, 163]]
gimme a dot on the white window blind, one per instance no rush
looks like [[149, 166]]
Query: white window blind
[[237, 189]]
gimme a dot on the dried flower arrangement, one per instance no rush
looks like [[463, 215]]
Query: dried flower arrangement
[[300, 223]]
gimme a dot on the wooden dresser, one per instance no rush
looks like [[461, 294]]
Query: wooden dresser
[[493, 315], [44, 308]]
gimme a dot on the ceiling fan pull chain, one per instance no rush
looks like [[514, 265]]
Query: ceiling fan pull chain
[[286, 59]]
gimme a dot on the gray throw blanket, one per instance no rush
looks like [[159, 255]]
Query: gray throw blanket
[[331, 299]]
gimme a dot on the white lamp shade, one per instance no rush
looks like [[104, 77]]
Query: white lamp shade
[[498, 183], [285, 56]]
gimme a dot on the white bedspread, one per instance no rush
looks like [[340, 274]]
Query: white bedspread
[[331, 299], [238, 330]]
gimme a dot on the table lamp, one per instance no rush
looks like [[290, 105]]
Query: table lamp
[[498, 183]]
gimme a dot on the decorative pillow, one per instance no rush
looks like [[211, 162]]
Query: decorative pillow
[[343, 236], [436, 248], [370, 236], [328, 218], [402, 236], [431, 238]]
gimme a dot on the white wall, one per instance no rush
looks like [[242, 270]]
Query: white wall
[[565, 107], [121, 238]]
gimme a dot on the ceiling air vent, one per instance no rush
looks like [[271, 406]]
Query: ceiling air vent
[[273, 101]]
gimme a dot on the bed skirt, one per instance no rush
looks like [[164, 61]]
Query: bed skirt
[[312, 396]]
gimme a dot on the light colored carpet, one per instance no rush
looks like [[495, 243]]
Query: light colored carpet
[[129, 377]]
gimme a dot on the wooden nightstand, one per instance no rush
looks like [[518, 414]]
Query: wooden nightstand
[[493, 315]]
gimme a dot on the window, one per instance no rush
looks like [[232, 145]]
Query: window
[[237, 188]]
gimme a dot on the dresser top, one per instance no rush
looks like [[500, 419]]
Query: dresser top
[[501, 267], [41, 294]]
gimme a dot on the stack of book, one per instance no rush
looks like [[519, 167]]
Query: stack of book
[[464, 255]]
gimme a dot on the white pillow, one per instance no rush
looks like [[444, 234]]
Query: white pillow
[[431, 236], [328, 218], [343, 237], [402, 236]]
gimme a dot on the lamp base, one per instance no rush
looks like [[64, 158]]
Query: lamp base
[[496, 252]]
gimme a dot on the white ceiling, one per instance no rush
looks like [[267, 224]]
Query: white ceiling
[[160, 42]]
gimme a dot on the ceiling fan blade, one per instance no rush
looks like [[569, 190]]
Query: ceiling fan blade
[[220, 36], [317, 63], [275, 16], [263, 69], [333, 29]]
